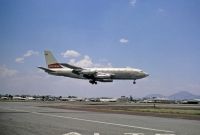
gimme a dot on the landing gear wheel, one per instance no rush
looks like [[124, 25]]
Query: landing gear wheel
[[134, 82], [92, 82]]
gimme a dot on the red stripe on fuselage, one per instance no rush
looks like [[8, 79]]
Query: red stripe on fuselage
[[55, 65]]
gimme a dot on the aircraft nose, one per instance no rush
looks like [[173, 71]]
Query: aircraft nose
[[146, 74]]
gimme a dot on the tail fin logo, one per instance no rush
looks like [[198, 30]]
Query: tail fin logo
[[55, 65]]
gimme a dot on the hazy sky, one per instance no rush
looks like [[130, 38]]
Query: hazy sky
[[161, 37]]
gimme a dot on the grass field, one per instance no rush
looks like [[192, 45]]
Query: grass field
[[171, 111], [160, 110]]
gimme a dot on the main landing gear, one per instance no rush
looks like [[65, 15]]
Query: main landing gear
[[92, 82], [134, 82]]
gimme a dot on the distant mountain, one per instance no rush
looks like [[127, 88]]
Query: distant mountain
[[177, 96], [154, 95], [183, 95]]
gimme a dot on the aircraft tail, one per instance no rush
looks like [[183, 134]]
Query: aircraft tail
[[51, 61]]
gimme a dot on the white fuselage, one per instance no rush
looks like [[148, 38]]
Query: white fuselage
[[118, 73], [92, 74]]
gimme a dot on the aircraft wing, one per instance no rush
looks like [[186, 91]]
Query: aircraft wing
[[76, 70], [96, 75], [87, 73], [70, 66]]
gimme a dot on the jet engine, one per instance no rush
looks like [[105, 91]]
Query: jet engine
[[103, 76], [105, 80], [87, 72]]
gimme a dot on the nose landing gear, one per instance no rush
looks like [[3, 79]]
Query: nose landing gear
[[134, 82]]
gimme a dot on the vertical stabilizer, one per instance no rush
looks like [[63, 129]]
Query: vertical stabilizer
[[50, 60]]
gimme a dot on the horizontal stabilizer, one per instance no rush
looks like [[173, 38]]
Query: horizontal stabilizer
[[46, 70]]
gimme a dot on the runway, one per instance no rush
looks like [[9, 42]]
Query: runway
[[26, 118]]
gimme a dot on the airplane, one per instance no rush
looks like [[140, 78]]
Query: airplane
[[94, 75]]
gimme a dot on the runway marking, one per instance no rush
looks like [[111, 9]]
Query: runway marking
[[133, 134], [164, 134], [94, 121], [72, 133]]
